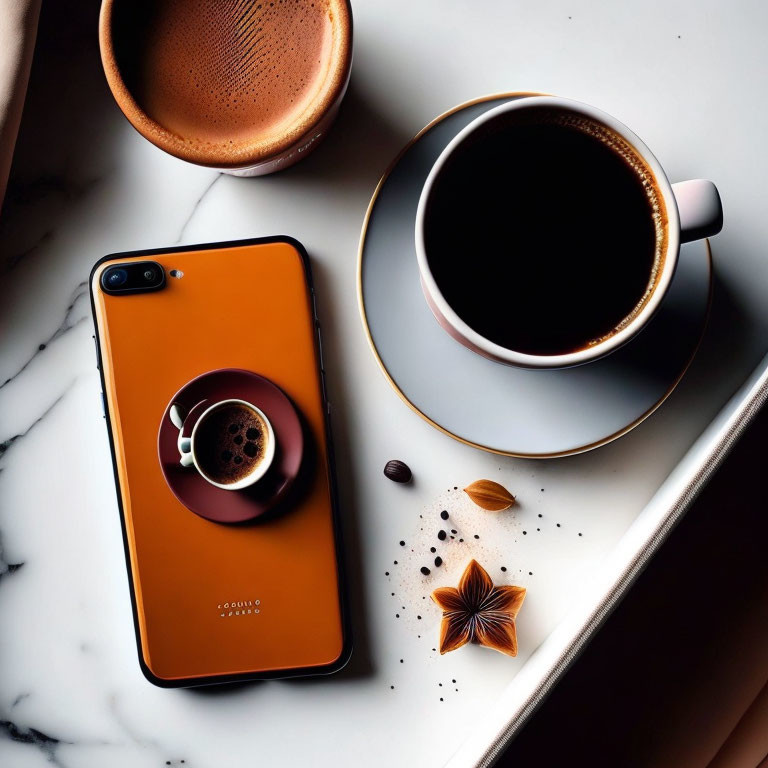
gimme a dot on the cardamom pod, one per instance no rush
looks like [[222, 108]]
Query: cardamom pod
[[490, 495]]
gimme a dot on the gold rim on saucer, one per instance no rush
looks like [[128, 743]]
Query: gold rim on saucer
[[393, 383]]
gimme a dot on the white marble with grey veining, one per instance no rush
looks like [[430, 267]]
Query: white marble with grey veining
[[687, 77]]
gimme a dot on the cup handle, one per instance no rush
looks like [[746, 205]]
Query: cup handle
[[701, 211], [185, 451]]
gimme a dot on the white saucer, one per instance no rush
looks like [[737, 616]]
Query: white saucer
[[534, 414]]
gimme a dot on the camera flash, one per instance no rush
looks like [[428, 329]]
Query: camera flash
[[176, 273]]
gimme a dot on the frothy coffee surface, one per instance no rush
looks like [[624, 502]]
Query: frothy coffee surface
[[223, 71], [546, 233], [230, 443]]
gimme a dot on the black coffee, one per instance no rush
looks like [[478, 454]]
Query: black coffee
[[230, 443], [545, 233]]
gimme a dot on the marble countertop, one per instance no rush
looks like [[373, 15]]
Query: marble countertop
[[684, 76]]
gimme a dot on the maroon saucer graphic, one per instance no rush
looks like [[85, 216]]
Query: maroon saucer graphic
[[198, 495]]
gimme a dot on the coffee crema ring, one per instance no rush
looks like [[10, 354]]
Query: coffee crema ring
[[232, 443], [226, 84]]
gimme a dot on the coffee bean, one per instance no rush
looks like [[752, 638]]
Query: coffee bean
[[398, 471]]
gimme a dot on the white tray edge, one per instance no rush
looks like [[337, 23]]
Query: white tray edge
[[614, 577]]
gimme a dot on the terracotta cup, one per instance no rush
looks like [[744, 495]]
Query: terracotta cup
[[202, 79]]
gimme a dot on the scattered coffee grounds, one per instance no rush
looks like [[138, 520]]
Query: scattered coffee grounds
[[444, 514], [425, 570], [525, 533], [402, 543], [453, 530], [579, 534], [503, 568], [488, 538]]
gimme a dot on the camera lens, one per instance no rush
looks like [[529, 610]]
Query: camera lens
[[149, 274], [115, 278]]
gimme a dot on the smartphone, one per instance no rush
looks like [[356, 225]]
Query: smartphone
[[215, 600]]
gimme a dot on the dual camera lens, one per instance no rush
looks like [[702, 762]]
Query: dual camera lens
[[136, 277], [116, 277]]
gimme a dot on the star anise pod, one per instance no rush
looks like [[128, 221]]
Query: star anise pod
[[479, 612]]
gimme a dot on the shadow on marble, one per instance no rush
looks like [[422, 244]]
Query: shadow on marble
[[357, 150], [224, 689], [727, 343], [68, 131], [726, 350]]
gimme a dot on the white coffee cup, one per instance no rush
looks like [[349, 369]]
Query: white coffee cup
[[693, 208], [189, 446]]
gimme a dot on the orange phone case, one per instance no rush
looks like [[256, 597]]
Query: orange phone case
[[249, 305]]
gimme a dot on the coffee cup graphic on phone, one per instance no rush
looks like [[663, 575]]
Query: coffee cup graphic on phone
[[231, 443]]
